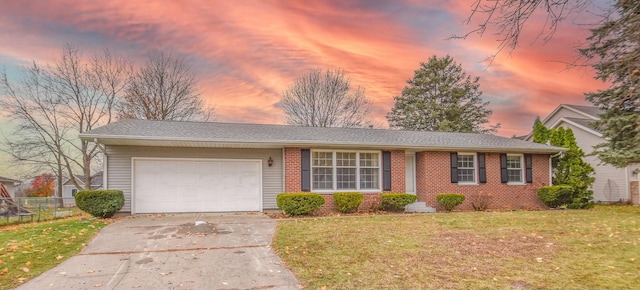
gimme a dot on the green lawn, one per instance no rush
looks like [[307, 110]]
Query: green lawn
[[28, 250], [556, 249]]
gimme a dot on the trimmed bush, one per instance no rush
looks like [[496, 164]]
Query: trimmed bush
[[556, 195], [396, 201], [100, 203], [299, 203], [450, 200], [348, 202]]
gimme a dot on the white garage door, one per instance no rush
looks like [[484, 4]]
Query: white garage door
[[187, 185]]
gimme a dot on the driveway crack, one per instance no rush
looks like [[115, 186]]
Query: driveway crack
[[172, 250]]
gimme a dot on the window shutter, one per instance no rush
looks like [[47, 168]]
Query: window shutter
[[482, 168], [454, 167], [504, 177], [529, 168], [305, 173], [386, 171]]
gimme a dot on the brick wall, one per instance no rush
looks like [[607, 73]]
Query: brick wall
[[433, 177], [293, 180], [293, 167], [635, 192], [397, 171]]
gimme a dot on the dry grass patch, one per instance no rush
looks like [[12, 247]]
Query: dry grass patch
[[547, 249]]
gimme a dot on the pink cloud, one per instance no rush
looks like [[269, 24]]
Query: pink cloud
[[247, 53]]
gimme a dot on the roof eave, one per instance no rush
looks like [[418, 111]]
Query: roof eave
[[185, 142]]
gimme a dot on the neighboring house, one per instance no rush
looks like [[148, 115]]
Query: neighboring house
[[11, 185], [169, 166], [612, 184], [69, 189]]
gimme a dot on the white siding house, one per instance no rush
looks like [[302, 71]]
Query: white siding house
[[11, 185], [612, 184], [69, 190]]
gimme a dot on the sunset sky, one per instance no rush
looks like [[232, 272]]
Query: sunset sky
[[246, 53]]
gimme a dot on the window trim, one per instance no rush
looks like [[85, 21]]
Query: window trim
[[522, 169], [335, 167], [475, 168]]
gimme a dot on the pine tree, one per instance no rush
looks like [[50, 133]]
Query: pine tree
[[441, 97], [616, 46], [540, 132]]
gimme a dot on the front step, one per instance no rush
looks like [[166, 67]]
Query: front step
[[419, 206]]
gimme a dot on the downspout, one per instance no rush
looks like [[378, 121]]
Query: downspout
[[104, 163], [284, 170], [551, 168]]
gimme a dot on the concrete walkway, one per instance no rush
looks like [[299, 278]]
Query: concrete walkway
[[230, 251]]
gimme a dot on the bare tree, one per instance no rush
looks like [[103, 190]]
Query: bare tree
[[165, 88], [325, 99], [509, 17], [52, 104]]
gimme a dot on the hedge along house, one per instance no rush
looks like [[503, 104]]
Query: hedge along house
[[170, 167]]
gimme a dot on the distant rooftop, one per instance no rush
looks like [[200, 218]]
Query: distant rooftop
[[590, 110], [5, 179]]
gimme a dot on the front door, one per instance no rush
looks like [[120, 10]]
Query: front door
[[410, 173]]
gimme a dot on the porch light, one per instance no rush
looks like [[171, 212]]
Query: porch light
[[270, 161]]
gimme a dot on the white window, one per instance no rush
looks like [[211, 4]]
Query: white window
[[322, 170], [514, 168], [466, 168], [369, 171], [73, 192], [345, 170]]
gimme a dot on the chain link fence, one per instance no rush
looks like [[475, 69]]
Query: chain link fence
[[32, 209]]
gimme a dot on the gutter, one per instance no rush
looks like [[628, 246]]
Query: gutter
[[316, 143], [104, 162]]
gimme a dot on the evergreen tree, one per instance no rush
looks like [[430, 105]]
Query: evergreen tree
[[540, 132], [441, 97], [569, 168], [616, 46]]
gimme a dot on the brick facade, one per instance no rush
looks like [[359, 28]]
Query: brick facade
[[433, 177], [292, 170], [397, 171]]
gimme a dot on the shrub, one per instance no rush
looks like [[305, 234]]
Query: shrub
[[450, 200], [100, 203], [556, 195], [299, 203], [480, 201], [348, 202], [396, 201]]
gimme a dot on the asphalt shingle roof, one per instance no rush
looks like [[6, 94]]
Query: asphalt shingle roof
[[583, 122], [149, 130], [589, 110]]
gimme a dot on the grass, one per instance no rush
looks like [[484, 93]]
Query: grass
[[28, 250], [556, 249]]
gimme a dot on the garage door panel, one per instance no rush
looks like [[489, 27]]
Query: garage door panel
[[167, 185]]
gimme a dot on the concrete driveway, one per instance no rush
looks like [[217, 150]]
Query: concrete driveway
[[230, 251]]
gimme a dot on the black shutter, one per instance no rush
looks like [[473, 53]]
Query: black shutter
[[454, 167], [482, 168], [386, 171], [306, 169], [504, 177], [529, 168]]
